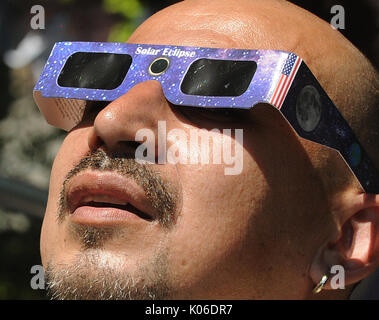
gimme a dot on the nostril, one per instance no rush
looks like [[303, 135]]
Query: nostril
[[94, 141]]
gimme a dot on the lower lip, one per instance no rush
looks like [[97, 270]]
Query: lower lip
[[103, 216]]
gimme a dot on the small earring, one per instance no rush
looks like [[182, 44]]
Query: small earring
[[321, 284]]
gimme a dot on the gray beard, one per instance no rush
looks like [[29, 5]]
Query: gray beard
[[98, 275]]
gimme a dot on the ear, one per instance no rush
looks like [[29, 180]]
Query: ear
[[354, 254]]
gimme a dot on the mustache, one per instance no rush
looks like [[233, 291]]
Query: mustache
[[162, 194]]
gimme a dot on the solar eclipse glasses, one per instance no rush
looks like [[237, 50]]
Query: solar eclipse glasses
[[78, 72]]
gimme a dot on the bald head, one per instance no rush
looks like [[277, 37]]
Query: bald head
[[346, 75], [249, 24]]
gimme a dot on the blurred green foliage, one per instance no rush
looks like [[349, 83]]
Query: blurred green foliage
[[131, 12], [129, 9]]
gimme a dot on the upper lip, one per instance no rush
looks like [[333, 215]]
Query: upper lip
[[90, 186]]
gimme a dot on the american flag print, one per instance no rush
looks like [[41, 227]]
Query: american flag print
[[289, 71]]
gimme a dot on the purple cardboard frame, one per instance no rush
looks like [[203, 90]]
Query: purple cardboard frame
[[260, 90], [282, 80]]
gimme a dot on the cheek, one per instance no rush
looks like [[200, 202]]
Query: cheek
[[50, 241], [214, 222], [73, 148]]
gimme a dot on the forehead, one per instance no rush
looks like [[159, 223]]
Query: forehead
[[245, 24], [188, 29]]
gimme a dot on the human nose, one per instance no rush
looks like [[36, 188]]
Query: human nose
[[140, 108]]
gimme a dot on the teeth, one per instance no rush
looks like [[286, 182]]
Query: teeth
[[104, 199]]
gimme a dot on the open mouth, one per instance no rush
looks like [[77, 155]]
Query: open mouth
[[125, 207], [97, 196]]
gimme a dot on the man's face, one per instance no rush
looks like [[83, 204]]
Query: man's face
[[189, 230]]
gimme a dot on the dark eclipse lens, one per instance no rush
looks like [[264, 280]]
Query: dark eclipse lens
[[229, 78], [159, 66], [95, 70]]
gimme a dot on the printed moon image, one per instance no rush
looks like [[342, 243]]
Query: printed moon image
[[308, 108]]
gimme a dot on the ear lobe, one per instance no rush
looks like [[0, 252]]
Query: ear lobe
[[359, 244], [357, 247]]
